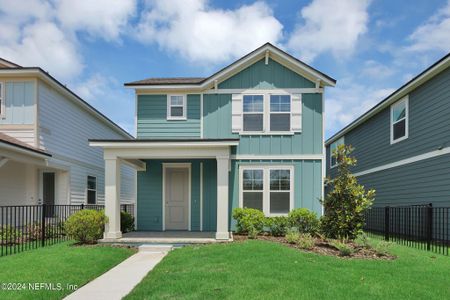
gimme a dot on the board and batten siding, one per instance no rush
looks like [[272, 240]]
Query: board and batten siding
[[152, 118], [64, 131]]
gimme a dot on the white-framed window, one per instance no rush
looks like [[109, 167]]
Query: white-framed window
[[399, 120], [280, 113], [176, 107], [333, 146], [253, 113], [267, 188], [91, 190], [2, 99]]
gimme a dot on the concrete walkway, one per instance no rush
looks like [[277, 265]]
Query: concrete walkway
[[120, 280]]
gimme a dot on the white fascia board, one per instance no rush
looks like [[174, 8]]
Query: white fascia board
[[23, 155], [138, 145]]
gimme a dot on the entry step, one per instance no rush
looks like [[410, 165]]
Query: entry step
[[155, 248]]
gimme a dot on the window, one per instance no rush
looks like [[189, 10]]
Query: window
[[253, 112], [333, 146], [2, 99], [91, 190], [253, 189], [280, 112], [399, 120], [267, 188], [176, 107]]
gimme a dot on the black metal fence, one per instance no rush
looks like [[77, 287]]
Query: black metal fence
[[25, 227], [424, 227]]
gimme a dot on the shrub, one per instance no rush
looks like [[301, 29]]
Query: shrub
[[362, 240], [253, 233], [277, 225], [305, 220], [126, 222], [382, 248], [344, 249], [34, 231], [306, 241], [249, 219], [292, 235], [347, 202], [86, 226], [9, 235]]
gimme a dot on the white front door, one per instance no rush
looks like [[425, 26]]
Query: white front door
[[177, 198]]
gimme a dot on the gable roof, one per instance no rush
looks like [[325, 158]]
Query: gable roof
[[436, 68], [6, 139], [8, 64], [267, 49]]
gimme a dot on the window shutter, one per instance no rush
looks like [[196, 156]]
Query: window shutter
[[296, 113], [236, 113]]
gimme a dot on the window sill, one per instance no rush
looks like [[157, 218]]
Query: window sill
[[266, 133], [399, 140], [176, 119]]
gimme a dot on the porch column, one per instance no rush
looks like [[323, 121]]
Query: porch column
[[222, 198], [112, 198]]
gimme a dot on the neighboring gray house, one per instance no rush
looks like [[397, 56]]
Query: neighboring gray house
[[403, 143], [44, 151]]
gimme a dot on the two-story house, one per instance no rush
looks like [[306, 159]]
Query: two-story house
[[403, 143], [250, 135], [44, 151]]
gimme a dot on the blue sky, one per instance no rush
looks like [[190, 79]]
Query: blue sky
[[370, 47]]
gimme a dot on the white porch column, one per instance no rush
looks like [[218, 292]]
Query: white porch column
[[112, 198], [222, 198]]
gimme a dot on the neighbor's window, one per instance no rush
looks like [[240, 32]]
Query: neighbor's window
[[91, 190], [280, 191], [333, 146], [268, 189], [253, 112], [280, 112], [176, 107], [253, 182], [2, 99], [399, 120]]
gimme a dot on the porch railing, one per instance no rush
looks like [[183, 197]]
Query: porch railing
[[25, 227]]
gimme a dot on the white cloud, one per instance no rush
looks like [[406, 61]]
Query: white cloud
[[102, 18], [200, 33], [329, 26], [376, 70], [434, 34]]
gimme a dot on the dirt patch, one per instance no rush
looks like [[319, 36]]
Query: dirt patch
[[324, 247]]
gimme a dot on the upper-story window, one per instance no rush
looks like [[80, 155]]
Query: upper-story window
[[333, 146], [280, 112], [2, 99], [399, 120], [176, 107], [253, 113]]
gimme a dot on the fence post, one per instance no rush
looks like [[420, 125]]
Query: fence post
[[429, 226], [43, 224], [386, 223], [82, 206]]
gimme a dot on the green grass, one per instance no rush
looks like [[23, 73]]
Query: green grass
[[62, 263], [265, 270]]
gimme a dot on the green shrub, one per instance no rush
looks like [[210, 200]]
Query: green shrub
[[305, 220], [292, 235], [362, 240], [344, 248], [253, 233], [345, 205], [277, 225], [86, 226], [9, 235], [249, 219], [306, 241], [382, 248], [126, 222]]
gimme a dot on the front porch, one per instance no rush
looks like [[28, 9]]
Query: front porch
[[183, 189]]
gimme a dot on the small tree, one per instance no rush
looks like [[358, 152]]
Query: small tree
[[347, 201]]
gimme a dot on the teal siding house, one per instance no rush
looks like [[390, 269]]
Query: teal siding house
[[250, 135], [403, 143]]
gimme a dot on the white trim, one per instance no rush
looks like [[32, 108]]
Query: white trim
[[406, 161], [177, 166], [266, 185], [201, 196], [172, 144], [169, 106], [136, 105], [201, 115], [324, 156], [2, 100], [277, 157], [260, 91], [266, 133], [406, 118], [269, 114]]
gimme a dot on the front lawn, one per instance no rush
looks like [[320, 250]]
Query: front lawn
[[61, 264], [267, 270]]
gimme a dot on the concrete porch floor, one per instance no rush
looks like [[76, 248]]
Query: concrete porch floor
[[165, 237]]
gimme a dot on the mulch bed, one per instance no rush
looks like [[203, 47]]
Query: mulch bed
[[322, 247]]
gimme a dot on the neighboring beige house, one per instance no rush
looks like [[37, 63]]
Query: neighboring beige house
[[44, 151]]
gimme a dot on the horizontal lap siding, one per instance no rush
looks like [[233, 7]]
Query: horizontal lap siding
[[152, 118], [426, 181]]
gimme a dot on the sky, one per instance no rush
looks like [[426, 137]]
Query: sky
[[371, 47]]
